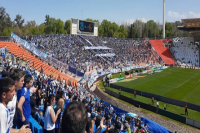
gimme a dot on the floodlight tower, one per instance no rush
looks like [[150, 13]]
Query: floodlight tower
[[163, 18]]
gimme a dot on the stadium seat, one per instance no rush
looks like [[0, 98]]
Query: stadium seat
[[162, 51]]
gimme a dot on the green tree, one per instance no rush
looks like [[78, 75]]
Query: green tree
[[51, 27], [17, 31], [7, 31], [60, 27], [19, 21], [123, 31], [67, 26], [47, 17], [41, 28], [5, 21]]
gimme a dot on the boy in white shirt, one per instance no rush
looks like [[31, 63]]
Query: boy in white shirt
[[18, 76], [7, 91]]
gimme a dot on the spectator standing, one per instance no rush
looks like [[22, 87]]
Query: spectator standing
[[165, 106], [117, 128], [93, 118], [186, 112], [74, 118], [49, 116], [7, 91], [157, 104], [134, 94], [18, 76], [98, 117], [23, 97], [34, 109], [152, 99], [60, 105]]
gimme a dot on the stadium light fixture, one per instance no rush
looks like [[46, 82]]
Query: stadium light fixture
[[163, 18]]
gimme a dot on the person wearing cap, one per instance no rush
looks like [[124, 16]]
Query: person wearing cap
[[127, 123], [113, 116], [93, 118], [111, 110], [108, 123], [106, 110], [98, 117]]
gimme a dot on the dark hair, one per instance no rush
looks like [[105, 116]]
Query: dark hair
[[48, 101], [5, 84], [74, 118], [70, 95], [127, 117], [99, 109], [75, 98], [59, 95], [7, 68], [88, 125], [27, 79], [17, 74], [33, 95]]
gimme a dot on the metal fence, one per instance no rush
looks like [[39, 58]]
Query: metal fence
[[5, 38], [157, 97]]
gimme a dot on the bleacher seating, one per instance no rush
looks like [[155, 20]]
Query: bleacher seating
[[34, 125], [36, 63], [185, 51], [69, 50], [163, 52]]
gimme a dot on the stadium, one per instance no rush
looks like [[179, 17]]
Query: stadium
[[87, 76]]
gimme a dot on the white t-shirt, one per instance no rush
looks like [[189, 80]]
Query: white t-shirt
[[4, 119], [12, 107], [157, 103], [48, 124]]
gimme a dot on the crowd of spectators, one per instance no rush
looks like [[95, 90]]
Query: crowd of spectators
[[185, 51], [69, 50], [27, 93]]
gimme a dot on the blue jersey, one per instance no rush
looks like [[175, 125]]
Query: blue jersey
[[95, 128], [102, 130], [66, 102], [106, 111], [122, 131], [132, 125], [26, 106]]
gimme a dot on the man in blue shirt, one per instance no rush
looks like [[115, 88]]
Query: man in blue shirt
[[23, 96]]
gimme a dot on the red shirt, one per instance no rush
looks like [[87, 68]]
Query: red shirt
[[140, 131], [185, 107]]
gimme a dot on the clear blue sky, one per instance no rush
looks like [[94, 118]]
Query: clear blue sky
[[113, 10]]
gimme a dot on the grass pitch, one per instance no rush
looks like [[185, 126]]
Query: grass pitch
[[176, 83]]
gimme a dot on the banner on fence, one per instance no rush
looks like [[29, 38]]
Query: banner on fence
[[128, 76], [120, 78], [29, 46], [113, 80], [97, 47]]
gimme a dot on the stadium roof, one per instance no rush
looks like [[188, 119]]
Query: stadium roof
[[191, 25]]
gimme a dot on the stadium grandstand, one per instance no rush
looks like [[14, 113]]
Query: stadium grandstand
[[75, 83]]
